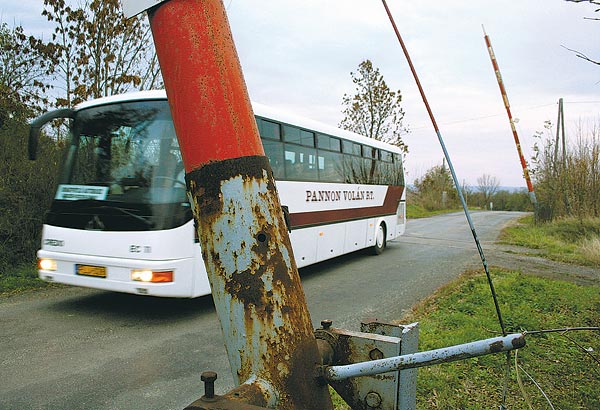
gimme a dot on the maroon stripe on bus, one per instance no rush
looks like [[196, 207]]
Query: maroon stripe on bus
[[389, 207]]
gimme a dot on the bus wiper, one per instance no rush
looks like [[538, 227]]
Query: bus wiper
[[96, 204], [146, 220]]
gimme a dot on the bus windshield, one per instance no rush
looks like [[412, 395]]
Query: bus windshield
[[122, 171]]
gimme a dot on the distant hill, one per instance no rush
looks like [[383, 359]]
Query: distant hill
[[510, 189]]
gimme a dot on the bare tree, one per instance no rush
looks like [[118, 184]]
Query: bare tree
[[578, 53], [595, 2], [487, 186]]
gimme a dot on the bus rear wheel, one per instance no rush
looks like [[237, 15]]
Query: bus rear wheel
[[379, 246]]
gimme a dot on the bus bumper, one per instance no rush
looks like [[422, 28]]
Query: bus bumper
[[115, 274]]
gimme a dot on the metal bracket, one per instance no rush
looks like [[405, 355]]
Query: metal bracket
[[390, 391], [409, 336], [240, 398], [222, 403]]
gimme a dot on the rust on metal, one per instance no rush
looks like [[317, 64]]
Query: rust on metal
[[255, 283], [496, 346], [363, 393], [209, 379], [518, 341], [243, 236], [245, 397]]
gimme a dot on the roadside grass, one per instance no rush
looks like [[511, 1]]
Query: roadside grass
[[566, 366], [415, 211], [590, 249], [570, 240], [464, 311], [20, 278]]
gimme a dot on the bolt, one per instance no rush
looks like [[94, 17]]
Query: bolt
[[373, 400], [209, 384], [376, 354], [326, 323]]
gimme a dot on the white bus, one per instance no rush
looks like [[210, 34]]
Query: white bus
[[121, 221]]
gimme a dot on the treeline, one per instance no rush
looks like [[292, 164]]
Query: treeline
[[93, 51], [436, 191], [565, 174]]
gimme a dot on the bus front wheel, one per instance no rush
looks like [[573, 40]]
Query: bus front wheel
[[379, 246]]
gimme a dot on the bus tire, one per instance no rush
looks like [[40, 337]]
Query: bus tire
[[380, 242]]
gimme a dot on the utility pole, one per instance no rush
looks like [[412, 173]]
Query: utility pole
[[560, 170], [560, 125]]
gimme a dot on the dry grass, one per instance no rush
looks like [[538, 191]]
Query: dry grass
[[590, 249]]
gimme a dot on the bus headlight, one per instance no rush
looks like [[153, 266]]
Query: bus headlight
[[145, 275], [46, 264]]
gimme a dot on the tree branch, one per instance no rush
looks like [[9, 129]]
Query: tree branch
[[581, 55]]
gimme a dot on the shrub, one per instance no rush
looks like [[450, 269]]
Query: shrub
[[568, 182], [26, 189]]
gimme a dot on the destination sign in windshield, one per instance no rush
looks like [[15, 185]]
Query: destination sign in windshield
[[76, 192]]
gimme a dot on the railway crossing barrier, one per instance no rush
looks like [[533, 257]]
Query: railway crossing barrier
[[277, 359]]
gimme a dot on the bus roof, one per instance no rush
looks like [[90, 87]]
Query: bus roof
[[260, 110]]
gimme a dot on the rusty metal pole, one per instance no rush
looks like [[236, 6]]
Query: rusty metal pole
[[245, 244], [488, 44]]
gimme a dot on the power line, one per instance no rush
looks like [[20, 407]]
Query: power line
[[519, 109]]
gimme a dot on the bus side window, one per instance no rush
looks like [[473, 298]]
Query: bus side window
[[300, 163], [274, 151], [398, 169], [331, 166], [298, 136], [330, 159], [269, 129], [355, 170]]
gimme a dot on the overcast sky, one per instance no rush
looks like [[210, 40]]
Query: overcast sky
[[298, 56]]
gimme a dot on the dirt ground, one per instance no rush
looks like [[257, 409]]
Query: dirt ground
[[525, 260]]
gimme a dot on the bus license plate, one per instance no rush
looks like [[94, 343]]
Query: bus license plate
[[87, 270]]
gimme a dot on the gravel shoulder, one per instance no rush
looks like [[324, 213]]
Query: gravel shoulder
[[528, 261], [525, 260]]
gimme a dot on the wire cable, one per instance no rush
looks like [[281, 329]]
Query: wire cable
[[520, 382], [538, 387]]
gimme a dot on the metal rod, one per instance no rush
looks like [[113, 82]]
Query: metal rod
[[428, 358], [510, 118], [451, 167]]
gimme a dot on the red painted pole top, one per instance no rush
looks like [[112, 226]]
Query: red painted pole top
[[203, 79]]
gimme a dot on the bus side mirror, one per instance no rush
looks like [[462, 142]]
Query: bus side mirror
[[36, 126]]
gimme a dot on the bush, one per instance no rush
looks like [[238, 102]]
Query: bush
[[512, 201], [26, 189], [436, 191], [568, 184]]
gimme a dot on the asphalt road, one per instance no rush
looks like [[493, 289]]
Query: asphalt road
[[72, 348]]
